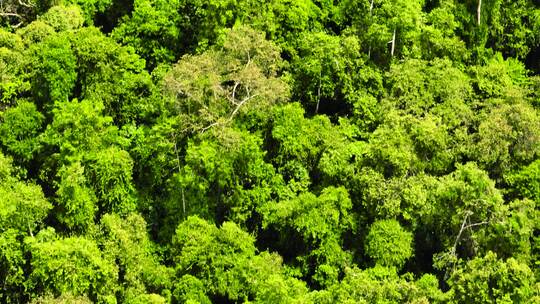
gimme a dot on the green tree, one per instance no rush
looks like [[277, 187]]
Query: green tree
[[19, 130], [113, 75], [52, 70], [213, 88], [488, 279], [226, 264], [74, 265], [76, 202], [126, 241], [321, 222], [388, 244]]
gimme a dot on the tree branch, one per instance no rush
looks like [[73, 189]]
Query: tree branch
[[25, 4], [233, 114]]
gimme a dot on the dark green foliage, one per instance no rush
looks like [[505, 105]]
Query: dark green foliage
[[52, 70], [280, 151]]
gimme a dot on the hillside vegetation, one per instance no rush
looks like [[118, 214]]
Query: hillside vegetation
[[269, 151]]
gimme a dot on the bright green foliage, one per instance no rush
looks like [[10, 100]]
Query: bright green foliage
[[158, 39], [109, 173], [77, 203], [491, 280], [126, 241], [63, 18], [112, 75], [23, 206], [35, 32], [299, 141], [104, 170], [229, 179], [321, 221], [381, 285], [515, 233], [12, 263], [20, 128], [204, 20], [388, 244], [63, 299], [197, 241], [280, 151], [500, 79], [74, 264], [466, 195], [526, 181], [90, 8], [225, 262], [506, 26], [409, 198], [79, 126], [379, 22], [417, 85], [11, 58], [438, 35], [516, 142], [189, 289], [286, 21], [322, 71], [149, 298]]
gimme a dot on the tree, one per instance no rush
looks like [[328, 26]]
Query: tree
[[388, 244], [388, 28], [488, 279], [19, 130], [52, 70], [110, 175], [63, 299], [23, 207], [213, 88], [74, 265], [126, 241], [515, 141], [77, 203], [12, 83], [223, 263], [320, 223], [469, 203], [322, 70], [381, 285], [506, 26], [223, 180], [63, 18], [114, 76]]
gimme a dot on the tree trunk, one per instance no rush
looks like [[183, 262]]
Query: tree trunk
[[393, 43], [318, 94], [479, 11]]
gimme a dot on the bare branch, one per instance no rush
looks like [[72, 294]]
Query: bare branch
[[233, 114], [236, 84], [25, 4], [10, 15]]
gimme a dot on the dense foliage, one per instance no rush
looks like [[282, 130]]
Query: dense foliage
[[280, 151]]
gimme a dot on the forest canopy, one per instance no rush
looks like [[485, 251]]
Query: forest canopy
[[250, 151]]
